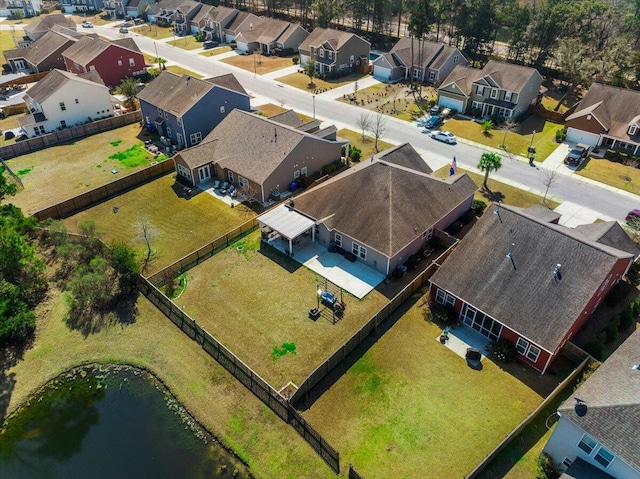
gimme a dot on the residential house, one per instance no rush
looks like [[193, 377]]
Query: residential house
[[22, 8], [186, 109], [500, 89], [598, 425], [43, 54], [518, 277], [82, 6], [40, 26], [62, 99], [126, 8], [607, 116], [256, 154], [163, 12], [214, 21], [384, 210], [334, 50], [184, 14], [268, 34], [242, 21], [417, 60], [113, 61]]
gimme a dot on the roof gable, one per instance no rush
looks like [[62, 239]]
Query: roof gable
[[336, 39], [56, 80]]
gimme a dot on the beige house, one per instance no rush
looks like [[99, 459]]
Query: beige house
[[267, 34], [258, 155], [334, 50], [500, 89]]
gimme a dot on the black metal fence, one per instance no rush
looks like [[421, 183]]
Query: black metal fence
[[353, 474]]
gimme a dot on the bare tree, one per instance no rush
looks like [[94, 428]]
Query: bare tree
[[394, 98], [250, 192], [629, 163], [364, 122], [378, 128], [147, 232], [355, 91], [549, 179], [507, 125]]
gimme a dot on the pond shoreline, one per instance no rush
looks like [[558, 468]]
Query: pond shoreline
[[199, 430]]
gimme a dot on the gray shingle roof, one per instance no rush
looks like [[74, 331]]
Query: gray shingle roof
[[527, 298], [580, 469], [430, 51], [612, 396], [88, 48], [45, 24], [54, 81], [614, 107], [611, 234], [542, 213], [320, 36], [405, 155], [228, 81], [289, 118], [384, 205], [126, 42], [509, 76], [47, 45], [463, 76]]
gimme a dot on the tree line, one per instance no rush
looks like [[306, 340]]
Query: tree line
[[581, 40]]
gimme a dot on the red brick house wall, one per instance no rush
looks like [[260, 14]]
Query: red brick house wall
[[113, 65]]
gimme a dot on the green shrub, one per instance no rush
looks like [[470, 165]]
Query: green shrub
[[199, 37], [596, 347], [295, 59], [633, 275], [504, 350], [561, 135], [627, 317], [355, 153], [546, 468], [611, 331], [468, 216], [479, 206], [443, 314], [616, 294]]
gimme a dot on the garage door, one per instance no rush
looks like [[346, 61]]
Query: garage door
[[382, 74], [452, 103], [579, 136]]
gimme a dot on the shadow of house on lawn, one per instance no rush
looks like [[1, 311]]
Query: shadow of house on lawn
[[286, 262]]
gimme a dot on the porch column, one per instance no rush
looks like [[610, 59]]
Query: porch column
[[313, 234], [290, 247], [635, 150]]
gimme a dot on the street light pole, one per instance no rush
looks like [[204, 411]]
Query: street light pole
[[157, 56], [314, 106]]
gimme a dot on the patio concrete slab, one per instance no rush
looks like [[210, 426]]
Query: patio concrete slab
[[356, 278], [463, 337]]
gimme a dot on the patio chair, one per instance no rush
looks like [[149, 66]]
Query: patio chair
[[231, 190], [216, 185], [224, 187]]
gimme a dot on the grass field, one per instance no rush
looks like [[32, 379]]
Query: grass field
[[151, 341], [177, 70], [215, 51], [410, 405], [269, 109], [517, 141], [255, 301], [186, 43], [499, 191], [611, 173], [6, 40], [259, 63], [181, 225], [301, 81], [61, 172], [154, 31], [367, 145]]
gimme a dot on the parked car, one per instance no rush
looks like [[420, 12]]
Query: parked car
[[138, 21], [633, 215], [87, 24], [433, 122], [126, 24], [444, 136], [123, 30], [434, 110], [576, 155], [209, 44]]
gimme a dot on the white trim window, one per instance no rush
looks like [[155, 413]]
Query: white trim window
[[456, 58], [494, 93], [476, 105], [443, 297], [242, 182], [132, 62], [479, 90], [222, 110], [633, 129], [427, 234], [230, 176], [169, 132], [119, 63], [351, 60], [62, 106], [296, 174], [604, 457], [329, 54], [338, 239], [522, 345], [359, 251], [195, 138], [587, 444], [507, 96], [533, 354], [322, 53], [303, 171]]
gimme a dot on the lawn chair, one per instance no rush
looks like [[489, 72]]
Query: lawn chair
[[224, 187], [231, 190], [216, 185]]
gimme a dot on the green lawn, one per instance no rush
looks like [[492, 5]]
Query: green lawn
[[611, 173], [499, 191], [6, 40], [410, 405], [216, 51], [367, 145], [256, 300], [301, 81], [154, 31], [178, 222], [516, 141], [186, 43]]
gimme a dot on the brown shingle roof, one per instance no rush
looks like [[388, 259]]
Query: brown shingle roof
[[88, 48], [52, 82], [611, 234], [527, 298], [228, 81], [615, 108], [320, 36], [509, 76], [382, 204], [289, 118], [47, 45], [45, 24], [126, 42], [430, 51], [463, 76], [405, 155], [612, 396]]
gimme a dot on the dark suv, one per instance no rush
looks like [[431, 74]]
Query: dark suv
[[576, 156]]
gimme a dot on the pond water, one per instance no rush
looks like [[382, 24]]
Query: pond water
[[109, 423]]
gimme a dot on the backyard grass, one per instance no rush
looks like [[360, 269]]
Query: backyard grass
[[499, 191], [186, 43], [517, 141], [151, 341], [181, 225], [393, 99], [301, 81], [216, 51], [11, 122], [256, 300], [269, 110], [259, 64], [410, 405], [611, 173], [175, 69], [367, 145], [153, 31], [6, 40], [63, 171]]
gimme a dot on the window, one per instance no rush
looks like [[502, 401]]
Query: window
[[169, 132], [195, 138], [507, 96], [445, 298], [230, 176], [587, 444], [476, 105], [315, 51], [432, 75], [456, 58], [159, 112], [351, 59], [77, 101], [303, 171], [63, 124], [242, 181], [633, 129], [604, 457], [567, 462], [62, 107], [296, 174], [119, 63], [322, 53], [427, 234], [358, 250], [521, 345], [221, 109], [179, 120], [416, 73], [330, 55], [338, 239], [92, 68], [494, 93], [533, 353], [132, 62], [480, 90]]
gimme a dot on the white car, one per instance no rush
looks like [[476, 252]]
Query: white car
[[86, 24], [444, 136]]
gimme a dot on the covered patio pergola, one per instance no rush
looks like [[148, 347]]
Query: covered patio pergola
[[288, 223]]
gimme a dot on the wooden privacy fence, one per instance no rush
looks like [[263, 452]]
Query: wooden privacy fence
[[192, 259], [24, 79], [101, 193], [370, 326], [243, 373], [67, 134]]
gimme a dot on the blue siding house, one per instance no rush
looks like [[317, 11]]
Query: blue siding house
[[186, 109]]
